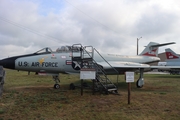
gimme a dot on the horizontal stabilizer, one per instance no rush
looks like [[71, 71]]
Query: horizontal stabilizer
[[152, 49], [159, 45]]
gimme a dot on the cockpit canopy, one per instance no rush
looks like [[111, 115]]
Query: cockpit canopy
[[64, 49], [61, 49]]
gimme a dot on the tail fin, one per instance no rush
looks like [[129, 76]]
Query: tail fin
[[152, 49], [171, 55]]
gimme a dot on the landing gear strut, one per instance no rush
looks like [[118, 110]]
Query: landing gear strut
[[140, 81], [57, 81]]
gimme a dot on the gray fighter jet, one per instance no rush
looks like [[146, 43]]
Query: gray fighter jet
[[70, 59]]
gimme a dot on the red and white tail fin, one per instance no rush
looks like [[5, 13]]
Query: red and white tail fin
[[171, 55], [152, 49]]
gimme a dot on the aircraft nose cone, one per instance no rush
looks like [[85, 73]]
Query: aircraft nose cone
[[8, 63]]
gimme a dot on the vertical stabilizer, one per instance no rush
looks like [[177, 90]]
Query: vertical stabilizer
[[149, 50], [152, 49], [171, 55]]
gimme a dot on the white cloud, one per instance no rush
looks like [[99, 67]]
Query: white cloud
[[109, 26]]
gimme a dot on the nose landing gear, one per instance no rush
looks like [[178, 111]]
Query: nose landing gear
[[57, 81]]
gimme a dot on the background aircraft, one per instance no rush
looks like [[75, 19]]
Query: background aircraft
[[70, 59], [172, 59]]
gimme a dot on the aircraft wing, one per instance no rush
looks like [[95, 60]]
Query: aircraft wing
[[162, 67], [122, 65], [131, 65]]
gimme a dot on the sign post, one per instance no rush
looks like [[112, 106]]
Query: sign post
[[129, 78]]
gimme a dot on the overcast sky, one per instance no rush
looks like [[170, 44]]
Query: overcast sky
[[111, 26]]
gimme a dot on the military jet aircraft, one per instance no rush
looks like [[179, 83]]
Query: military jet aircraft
[[68, 59], [172, 59]]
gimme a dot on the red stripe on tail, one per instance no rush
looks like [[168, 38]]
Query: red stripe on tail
[[151, 53], [169, 55]]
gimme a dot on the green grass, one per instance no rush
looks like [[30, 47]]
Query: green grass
[[32, 97]]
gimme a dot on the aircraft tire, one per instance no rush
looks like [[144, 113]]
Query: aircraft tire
[[137, 85], [56, 86]]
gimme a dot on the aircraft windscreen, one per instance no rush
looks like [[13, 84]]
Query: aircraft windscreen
[[44, 51]]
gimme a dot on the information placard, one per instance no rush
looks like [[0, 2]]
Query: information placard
[[87, 74], [129, 77]]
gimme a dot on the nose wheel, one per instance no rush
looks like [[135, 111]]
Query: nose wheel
[[57, 81], [56, 86]]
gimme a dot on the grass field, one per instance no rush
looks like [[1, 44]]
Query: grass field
[[32, 97]]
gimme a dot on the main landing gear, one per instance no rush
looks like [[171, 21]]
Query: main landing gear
[[57, 81], [140, 81]]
